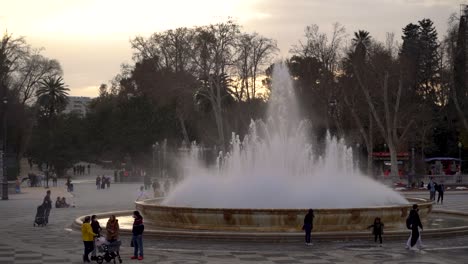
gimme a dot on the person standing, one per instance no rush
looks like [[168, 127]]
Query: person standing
[[142, 194], [414, 223], [108, 179], [47, 203], [431, 186], [88, 238], [98, 182], [112, 229], [137, 236], [95, 225], [103, 182], [308, 226], [440, 191], [377, 229], [89, 169]]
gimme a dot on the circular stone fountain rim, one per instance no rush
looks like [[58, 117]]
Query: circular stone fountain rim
[[419, 201]]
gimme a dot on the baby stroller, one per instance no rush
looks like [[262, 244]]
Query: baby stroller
[[42, 215], [107, 251]]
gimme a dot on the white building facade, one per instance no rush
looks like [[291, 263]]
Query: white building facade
[[78, 105]]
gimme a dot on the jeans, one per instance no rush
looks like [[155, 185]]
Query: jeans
[[88, 248], [137, 245], [432, 195], [308, 230]]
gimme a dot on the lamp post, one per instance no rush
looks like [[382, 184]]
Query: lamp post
[[4, 152], [154, 147], [413, 171], [358, 153], [459, 157]]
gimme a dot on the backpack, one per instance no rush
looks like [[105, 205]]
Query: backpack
[[408, 222], [429, 186]]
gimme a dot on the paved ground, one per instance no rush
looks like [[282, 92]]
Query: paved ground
[[56, 243]]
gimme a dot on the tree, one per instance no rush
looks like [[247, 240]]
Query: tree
[[33, 68], [52, 96], [253, 53], [392, 102], [358, 56], [213, 55], [318, 48]]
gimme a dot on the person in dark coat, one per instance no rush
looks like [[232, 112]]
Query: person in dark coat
[[440, 193], [377, 229], [95, 225], [47, 203], [414, 223], [137, 236], [308, 226], [98, 182]]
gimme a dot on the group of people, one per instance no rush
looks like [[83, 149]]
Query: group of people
[[61, 203], [103, 182], [81, 169], [91, 229], [434, 187], [413, 222]]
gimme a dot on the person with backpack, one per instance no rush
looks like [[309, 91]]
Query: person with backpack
[[377, 229], [308, 226], [413, 222]]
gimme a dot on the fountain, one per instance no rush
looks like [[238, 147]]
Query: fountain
[[268, 180]]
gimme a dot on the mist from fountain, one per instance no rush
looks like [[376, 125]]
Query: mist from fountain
[[277, 166]]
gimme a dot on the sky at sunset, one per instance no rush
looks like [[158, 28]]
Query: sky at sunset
[[90, 38]]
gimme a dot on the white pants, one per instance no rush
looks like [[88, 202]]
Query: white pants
[[418, 244]]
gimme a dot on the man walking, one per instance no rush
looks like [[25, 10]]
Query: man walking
[[47, 203], [414, 223], [440, 191]]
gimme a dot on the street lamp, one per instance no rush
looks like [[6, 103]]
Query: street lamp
[[4, 153], [358, 155], [459, 156]]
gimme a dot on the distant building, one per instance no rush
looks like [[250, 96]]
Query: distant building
[[78, 105]]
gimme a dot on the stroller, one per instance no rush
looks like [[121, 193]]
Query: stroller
[[108, 251], [42, 216]]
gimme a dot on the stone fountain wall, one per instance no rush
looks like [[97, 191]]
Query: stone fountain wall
[[276, 220]]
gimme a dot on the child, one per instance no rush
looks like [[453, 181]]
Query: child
[[377, 230]]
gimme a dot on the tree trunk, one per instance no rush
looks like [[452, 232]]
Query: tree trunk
[[393, 158], [184, 130], [370, 147]]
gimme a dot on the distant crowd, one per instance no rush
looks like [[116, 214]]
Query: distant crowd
[[81, 170], [103, 182]]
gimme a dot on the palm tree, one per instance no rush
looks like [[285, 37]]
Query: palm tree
[[52, 95], [361, 42]]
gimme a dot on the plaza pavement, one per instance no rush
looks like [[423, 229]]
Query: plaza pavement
[[20, 242]]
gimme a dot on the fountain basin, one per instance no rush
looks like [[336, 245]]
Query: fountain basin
[[277, 220]]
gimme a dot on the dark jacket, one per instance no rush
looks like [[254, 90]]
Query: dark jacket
[[415, 221], [47, 203], [138, 227], [377, 228], [308, 222], [96, 227]]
